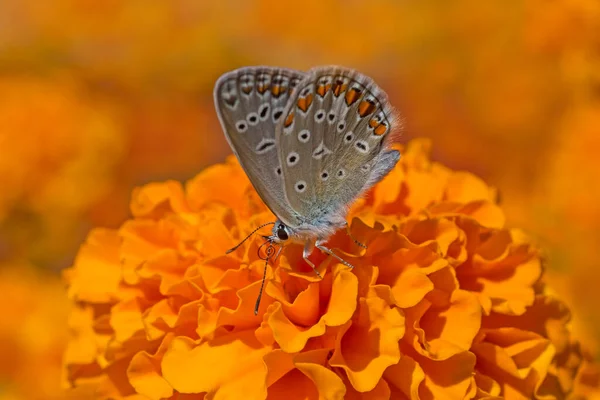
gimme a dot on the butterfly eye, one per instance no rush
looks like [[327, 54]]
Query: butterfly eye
[[281, 233]]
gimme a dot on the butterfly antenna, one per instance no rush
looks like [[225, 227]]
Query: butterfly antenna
[[262, 286], [269, 251], [248, 237]]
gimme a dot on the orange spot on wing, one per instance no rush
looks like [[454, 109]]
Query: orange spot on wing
[[366, 107], [323, 89], [373, 123], [352, 96], [338, 88], [262, 88], [247, 89], [289, 120], [380, 130], [277, 90], [305, 102]]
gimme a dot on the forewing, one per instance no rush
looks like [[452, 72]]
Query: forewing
[[250, 102], [334, 140]]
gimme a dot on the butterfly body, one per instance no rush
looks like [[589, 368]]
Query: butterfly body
[[311, 144]]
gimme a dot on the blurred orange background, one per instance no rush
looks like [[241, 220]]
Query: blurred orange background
[[99, 97]]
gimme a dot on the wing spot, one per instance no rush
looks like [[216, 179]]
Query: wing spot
[[366, 107], [252, 118], [230, 99], [305, 102], [263, 82], [362, 146], [241, 126], [278, 90], [247, 84], [341, 126], [277, 114], [278, 171], [324, 176], [321, 151], [365, 168], [319, 116], [265, 145], [349, 136], [380, 130], [263, 111], [331, 117], [352, 96], [339, 86], [300, 186], [323, 89], [304, 136], [292, 159], [341, 174]]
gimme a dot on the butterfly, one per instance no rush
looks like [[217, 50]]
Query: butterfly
[[310, 142]]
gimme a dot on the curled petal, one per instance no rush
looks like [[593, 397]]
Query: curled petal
[[222, 368], [405, 378], [410, 288], [290, 337], [450, 330], [312, 364], [342, 302], [145, 375], [154, 199], [369, 345], [451, 378], [381, 391]]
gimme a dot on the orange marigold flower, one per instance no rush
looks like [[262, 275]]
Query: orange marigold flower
[[444, 303]]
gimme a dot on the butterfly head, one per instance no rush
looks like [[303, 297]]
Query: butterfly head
[[281, 233]]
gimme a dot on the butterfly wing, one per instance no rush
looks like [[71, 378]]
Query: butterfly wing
[[250, 102], [333, 140]]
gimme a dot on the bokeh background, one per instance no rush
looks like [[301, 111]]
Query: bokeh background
[[98, 97]]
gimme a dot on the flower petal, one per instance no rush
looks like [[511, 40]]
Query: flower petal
[[410, 288], [450, 330], [311, 364], [96, 275], [405, 378], [447, 379], [153, 199], [370, 344], [290, 337], [145, 375], [223, 367]]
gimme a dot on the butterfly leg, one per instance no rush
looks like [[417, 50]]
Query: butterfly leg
[[308, 248], [364, 246], [331, 253]]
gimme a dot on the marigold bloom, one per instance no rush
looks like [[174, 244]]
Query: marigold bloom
[[444, 303]]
